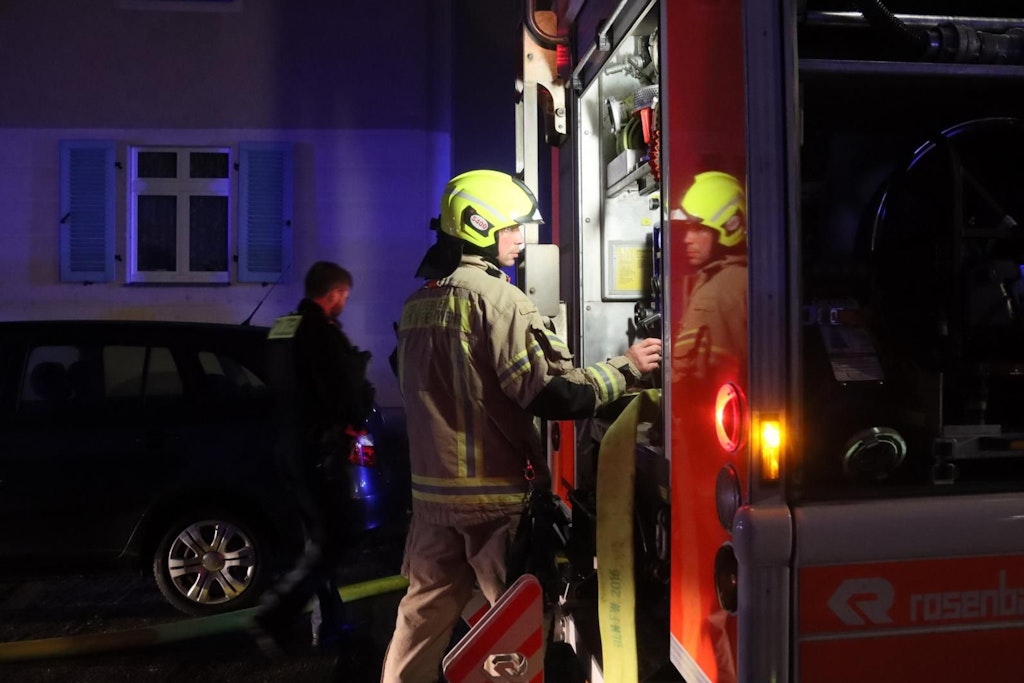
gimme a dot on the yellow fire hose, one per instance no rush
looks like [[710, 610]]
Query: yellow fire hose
[[170, 633], [616, 592]]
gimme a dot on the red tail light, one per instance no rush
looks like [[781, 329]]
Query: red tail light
[[730, 417], [362, 453], [561, 56]]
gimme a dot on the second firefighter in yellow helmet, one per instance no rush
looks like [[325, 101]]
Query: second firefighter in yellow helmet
[[716, 200]]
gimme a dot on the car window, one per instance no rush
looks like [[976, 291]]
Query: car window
[[226, 377], [163, 379], [122, 371], [58, 375], [125, 376], [47, 384], [89, 376]]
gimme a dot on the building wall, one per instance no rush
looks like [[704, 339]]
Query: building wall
[[367, 99], [361, 198], [271, 64]]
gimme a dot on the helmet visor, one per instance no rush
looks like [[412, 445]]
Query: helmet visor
[[532, 214]]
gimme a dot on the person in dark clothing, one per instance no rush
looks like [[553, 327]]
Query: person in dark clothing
[[319, 381]]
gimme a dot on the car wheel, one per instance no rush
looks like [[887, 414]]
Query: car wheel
[[212, 562]]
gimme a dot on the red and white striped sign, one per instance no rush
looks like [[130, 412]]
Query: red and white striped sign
[[506, 644]]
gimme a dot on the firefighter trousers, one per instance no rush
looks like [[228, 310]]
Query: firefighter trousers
[[442, 564]]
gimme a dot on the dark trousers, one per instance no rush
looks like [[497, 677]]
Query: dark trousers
[[321, 493]]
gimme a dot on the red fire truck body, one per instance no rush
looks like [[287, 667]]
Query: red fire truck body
[[842, 499]]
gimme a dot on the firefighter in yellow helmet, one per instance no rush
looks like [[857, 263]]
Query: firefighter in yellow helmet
[[476, 365], [475, 208], [713, 333]]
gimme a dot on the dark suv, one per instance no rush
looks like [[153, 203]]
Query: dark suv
[[150, 444]]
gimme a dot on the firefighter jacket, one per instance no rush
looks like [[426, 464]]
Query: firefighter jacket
[[712, 340], [473, 353]]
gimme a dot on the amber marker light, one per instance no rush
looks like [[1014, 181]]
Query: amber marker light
[[771, 449]]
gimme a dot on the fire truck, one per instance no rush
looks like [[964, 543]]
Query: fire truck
[[845, 500]]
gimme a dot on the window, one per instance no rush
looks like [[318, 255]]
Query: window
[[59, 378], [225, 377], [47, 385], [180, 210], [179, 215], [131, 372]]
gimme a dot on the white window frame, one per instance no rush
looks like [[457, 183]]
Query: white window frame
[[183, 187]]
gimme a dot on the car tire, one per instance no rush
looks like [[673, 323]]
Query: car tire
[[212, 562]]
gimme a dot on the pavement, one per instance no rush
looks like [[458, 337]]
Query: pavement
[[103, 628]]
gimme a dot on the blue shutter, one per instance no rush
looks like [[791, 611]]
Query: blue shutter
[[264, 211], [87, 210]]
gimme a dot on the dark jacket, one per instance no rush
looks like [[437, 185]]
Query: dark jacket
[[319, 380]]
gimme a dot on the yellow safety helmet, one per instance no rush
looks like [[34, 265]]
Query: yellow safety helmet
[[712, 200], [477, 204]]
